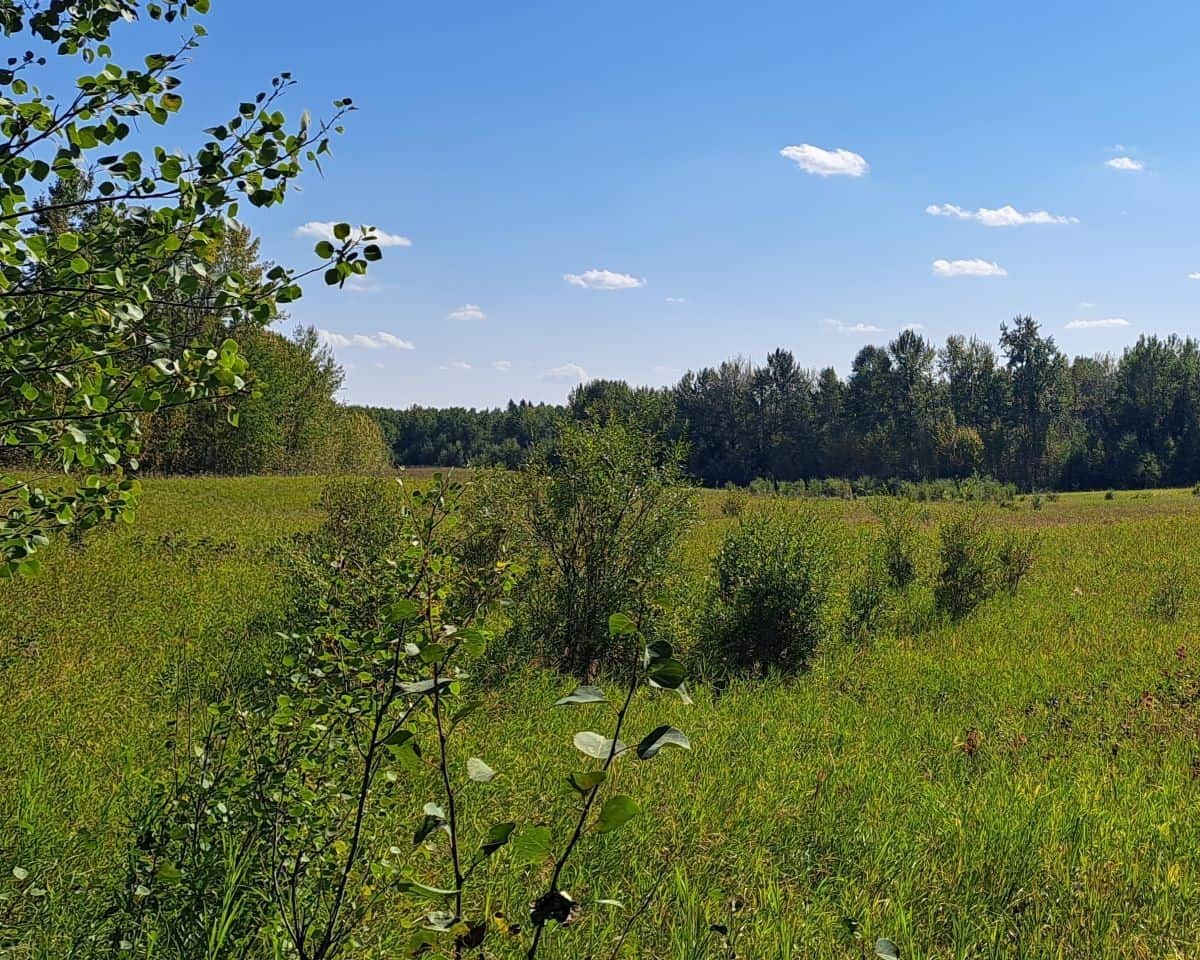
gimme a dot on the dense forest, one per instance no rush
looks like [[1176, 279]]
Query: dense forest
[[1023, 413]]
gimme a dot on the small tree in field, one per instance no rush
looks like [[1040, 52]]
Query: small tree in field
[[101, 279], [600, 507]]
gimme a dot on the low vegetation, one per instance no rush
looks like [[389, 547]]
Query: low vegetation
[[799, 798]]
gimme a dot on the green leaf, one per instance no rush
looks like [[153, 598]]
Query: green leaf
[[434, 818], [886, 950], [420, 688], [324, 249], [658, 650], [20, 873], [341, 230], [68, 242], [497, 836], [531, 846], [80, 265], [479, 771], [660, 737], [616, 812], [586, 780], [583, 695], [597, 746], [402, 610], [621, 625], [668, 674]]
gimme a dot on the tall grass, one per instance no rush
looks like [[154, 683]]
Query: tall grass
[[1022, 782]]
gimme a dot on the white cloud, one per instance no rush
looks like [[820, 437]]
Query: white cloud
[[469, 311], [502, 365], [1106, 323], [381, 341], [1086, 305], [826, 163], [1006, 216], [456, 365], [913, 326], [323, 230], [852, 328], [394, 342], [1194, 276], [567, 373], [968, 268], [1125, 163], [604, 280], [676, 300]]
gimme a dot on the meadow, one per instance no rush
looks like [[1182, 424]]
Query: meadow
[[1020, 783]]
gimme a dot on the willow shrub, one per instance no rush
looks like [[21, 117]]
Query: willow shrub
[[593, 521], [770, 587]]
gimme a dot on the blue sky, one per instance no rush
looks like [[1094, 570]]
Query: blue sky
[[516, 144]]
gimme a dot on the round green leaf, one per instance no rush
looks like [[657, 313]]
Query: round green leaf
[[660, 737], [616, 812], [583, 695], [479, 771], [886, 950], [597, 746]]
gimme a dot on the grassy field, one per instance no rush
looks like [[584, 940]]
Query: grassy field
[[1024, 783]]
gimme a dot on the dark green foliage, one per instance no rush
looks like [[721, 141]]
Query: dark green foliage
[[1169, 593], [897, 543], [1015, 554], [346, 571], [457, 437], [966, 564], [866, 602], [771, 580], [733, 503], [908, 418]]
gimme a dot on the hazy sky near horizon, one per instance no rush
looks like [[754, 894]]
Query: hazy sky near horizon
[[629, 190]]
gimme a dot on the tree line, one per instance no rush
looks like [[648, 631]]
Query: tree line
[[1022, 412]]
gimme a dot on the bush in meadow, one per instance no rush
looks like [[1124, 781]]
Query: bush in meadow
[[770, 584]]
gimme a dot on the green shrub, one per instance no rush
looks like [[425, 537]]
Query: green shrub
[[593, 520], [734, 502], [866, 603], [1014, 558], [345, 570], [276, 832], [771, 579], [897, 543], [966, 564], [1112, 494]]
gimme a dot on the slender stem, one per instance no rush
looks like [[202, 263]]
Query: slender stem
[[589, 800]]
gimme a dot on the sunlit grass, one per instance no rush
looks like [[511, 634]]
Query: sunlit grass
[[848, 803]]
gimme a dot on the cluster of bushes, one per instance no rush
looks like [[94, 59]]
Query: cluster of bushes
[[773, 594], [968, 490], [275, 833]]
